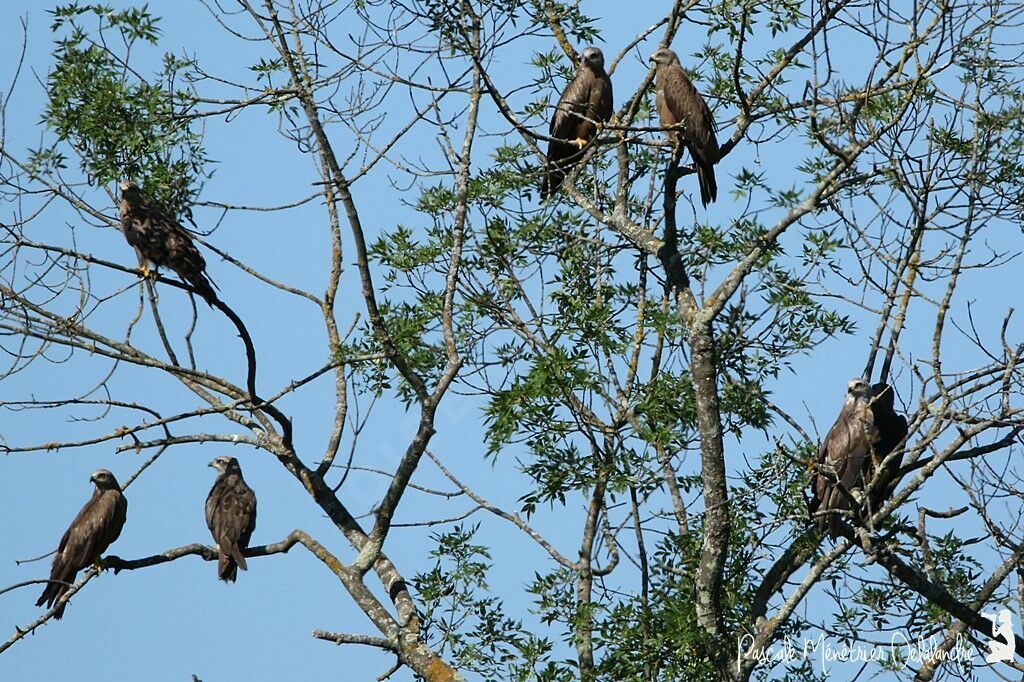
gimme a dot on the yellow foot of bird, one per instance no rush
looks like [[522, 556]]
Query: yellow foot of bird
[[580, 142]]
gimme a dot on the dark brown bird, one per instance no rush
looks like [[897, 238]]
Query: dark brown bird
[[585, 104], [843, 455], [97, 525], [231, 516], [680, 104], [892, 429], [160, 239]]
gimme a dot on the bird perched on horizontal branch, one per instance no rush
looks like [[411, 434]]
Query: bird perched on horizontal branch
[[867, 430], [230, 516], [843, 455], [95, 528], [583, 107], [683, 109], [160, 239]]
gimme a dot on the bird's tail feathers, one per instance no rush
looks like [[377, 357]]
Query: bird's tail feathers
[[52, 594], [562, 158], [204, 286], [706, 179], [231, 559], [227, 569], [236, 554]]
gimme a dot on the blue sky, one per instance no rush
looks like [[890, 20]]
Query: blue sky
[[168, 622]]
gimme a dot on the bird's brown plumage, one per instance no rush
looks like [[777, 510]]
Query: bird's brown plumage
[[231, 516], [680, 104], [97, 525], [843, 454], [586, 102], [160, 239], [892, 429]]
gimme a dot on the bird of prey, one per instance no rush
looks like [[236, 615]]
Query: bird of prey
[[97, 525], [160, 239], [583, 107], [843, 455], [892, 429], [679, 104], [231, 516]]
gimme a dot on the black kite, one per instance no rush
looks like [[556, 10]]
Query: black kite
[[160, 239], [231, 516], [585, 104], [97, 525], [679, 104], [843, 455]]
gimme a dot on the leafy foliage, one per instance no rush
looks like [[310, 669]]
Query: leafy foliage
[[120, 124], [458, 615], [574, 354]]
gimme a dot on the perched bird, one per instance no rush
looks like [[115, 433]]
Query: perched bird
[[97, 525], [231, 516], [843, 455], [585, 104], [892, 429], [160, 239], [679, 104]]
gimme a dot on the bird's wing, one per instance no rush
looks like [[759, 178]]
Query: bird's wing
[[571, 105], [234, 516], [689, 108], [97, 525], [601, 101]]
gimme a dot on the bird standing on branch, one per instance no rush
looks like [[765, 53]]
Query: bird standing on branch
[[95, 528], [583, 107], [683, 109], [843, 455], [867, 430], [160, 239], [230, 516]]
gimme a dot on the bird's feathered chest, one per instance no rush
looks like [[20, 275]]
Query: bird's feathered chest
[[677, 98], [97, 525], [853, 434], [156, 235], [669, 80], [588, 96], [229, 494]]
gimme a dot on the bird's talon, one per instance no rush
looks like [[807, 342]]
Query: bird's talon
[[580, 142]]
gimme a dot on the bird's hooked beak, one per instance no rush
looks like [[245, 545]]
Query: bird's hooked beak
[[213, 464]]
